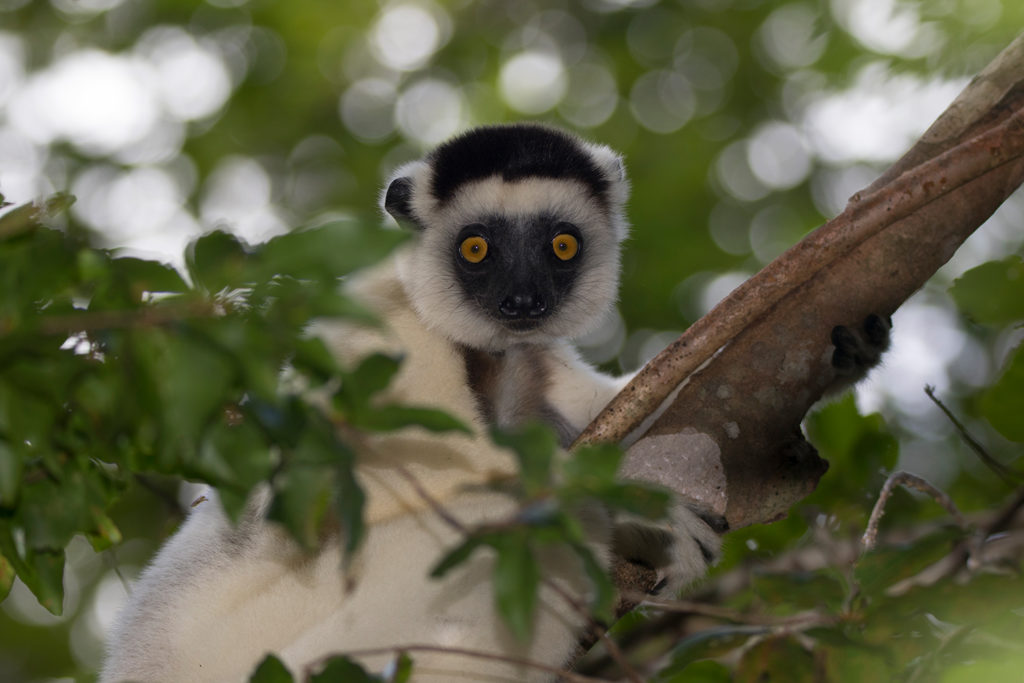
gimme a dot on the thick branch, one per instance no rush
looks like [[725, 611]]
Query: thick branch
[[875, 209], [731, 437]]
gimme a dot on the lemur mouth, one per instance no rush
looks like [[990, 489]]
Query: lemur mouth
[[519, 325]]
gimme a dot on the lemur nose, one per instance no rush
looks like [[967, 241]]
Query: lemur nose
[[523, 306]]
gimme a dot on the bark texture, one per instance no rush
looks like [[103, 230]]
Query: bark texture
[[747, 372]]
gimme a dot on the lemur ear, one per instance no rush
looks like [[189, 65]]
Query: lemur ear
[[609, 161], [398, 202], [614, 169]]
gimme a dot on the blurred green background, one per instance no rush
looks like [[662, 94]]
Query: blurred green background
[[744, 124]]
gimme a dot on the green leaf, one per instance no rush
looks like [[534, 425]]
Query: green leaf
[[1004, 668], [645, 500], [314, 360], [714, 642], [235, 456], [217, 261], [343, 670], [94, 267], [193, 380], [388, 418], [329, 250], [54, 205], [301, 498], [772, 655], [992, 293], [516, 579], [861, 446], [880, 568], [594, 463], [851, 664], [271, 670], [52, 511], [402, 669], [790, 592], [534, 445], [7, 575], [698, 672], [105, 533], [371, 376], [453, 558], [141, 275], [29, 216], [11, 466], [350, 501], [1002, 404], [46, 580]]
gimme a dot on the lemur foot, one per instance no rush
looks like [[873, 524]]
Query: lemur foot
[[680, 549], [857, 351]]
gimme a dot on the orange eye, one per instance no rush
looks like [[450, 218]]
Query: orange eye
[[473, 249], [566, 246]]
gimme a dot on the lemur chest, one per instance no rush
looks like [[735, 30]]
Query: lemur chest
[[512, 387]]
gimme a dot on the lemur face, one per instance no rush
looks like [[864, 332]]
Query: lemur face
[[518, 269], [519, 232]]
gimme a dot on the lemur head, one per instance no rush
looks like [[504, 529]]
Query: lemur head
[[519, 232]]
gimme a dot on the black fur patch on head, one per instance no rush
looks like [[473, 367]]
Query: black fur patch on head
[[514, 152]]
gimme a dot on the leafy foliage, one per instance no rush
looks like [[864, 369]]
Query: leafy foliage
[[81, 426], [114, 366], [993, 292], [334, 670], [1003, 402], [554, 491]]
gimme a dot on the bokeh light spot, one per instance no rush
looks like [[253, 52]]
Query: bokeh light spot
[[533, 81], [193, 80], [878, 117], [430, 111], [732, 170], [790, 36], [97, 101], [407, 35], [662, 101], [778, 155], [85, 7], [367, 108], [237, 197], [12, 65], [592, 95]]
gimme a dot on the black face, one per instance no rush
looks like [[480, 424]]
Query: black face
[[518, 270]]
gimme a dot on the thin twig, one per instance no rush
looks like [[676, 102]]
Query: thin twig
[[737, 617], [89, 321], [1009, 476], [620, 658], [562, 674], [1002, 519], [912, 481], [434, 504]]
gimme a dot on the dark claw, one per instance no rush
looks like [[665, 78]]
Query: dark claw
[[877, 330], [717, 522]]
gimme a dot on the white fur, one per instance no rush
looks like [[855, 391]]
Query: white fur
[[218, 597]]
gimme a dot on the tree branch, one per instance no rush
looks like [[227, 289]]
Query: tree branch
[[907, 480], [866, 214], [751, 368]]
